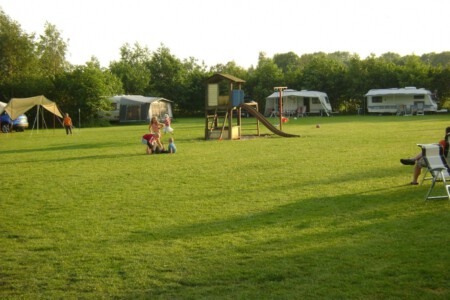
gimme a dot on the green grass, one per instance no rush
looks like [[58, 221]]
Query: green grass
[[328, 215]]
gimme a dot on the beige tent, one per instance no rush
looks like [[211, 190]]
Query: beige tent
[[2, 106], [18, 106]]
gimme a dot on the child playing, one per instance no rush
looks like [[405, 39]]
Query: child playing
[[167, 127], [155, 126], [172, 147], [149, 140]]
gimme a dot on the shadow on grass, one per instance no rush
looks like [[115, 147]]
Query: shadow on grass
[[64, 147], [321, 246], [79, 158], [353, 206]]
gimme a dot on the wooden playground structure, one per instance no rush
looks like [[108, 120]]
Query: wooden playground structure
[[224, 96]]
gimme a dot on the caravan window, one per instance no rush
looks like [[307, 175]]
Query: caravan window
[[326, 99], [377, 99], [419, 96]]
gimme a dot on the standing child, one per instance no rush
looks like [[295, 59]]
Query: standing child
[[67, 122], [167, 127], [172, 147], [155, 126]]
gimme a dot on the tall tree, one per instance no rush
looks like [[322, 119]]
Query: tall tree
[[167, 74], [230, 68], [192, 99], [287, 61], [86, 89], [51, 49], [414, 72], [325, 74], [263, 79], [132, 69], [18, 62]]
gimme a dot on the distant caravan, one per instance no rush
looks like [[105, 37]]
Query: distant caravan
[[298, 103], [400, 101]]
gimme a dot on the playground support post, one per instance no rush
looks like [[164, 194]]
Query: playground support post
[[280, 103]]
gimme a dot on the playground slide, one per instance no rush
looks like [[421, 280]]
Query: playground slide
[[266, 122]]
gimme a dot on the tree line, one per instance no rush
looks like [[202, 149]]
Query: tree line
[[33, 65]]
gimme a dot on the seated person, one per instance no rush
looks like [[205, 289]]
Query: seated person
[[149, 140], [172, 147], [419, 162]]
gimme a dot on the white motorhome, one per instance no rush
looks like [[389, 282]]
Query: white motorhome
[[305, 102], [400, 100]]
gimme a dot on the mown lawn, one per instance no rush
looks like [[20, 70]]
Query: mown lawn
[[329, 215]]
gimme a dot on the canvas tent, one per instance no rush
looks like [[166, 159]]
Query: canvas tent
[[2, 107], [310, 102], [132, 108], [18, 106]]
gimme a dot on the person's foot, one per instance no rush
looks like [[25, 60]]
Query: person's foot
[[408, 162], [413, 183]]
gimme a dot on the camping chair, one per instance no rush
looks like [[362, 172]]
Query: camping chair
[[437, 166], [273, 113], [446, 156], [408, 111], [420, 109], [400, 110], [300, 112]]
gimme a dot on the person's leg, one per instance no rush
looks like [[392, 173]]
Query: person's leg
[[416, 174], [411, 161], [417, 170]]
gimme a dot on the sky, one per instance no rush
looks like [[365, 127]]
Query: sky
[[217, 32]]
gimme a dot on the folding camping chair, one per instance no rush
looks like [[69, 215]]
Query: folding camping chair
[[446, 156], [420, 109], [437, 166]]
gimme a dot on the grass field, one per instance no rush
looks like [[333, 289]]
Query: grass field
[[329, 215]]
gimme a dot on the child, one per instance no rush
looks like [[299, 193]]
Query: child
[[167, 128], [67, 124], [155, 126], [149, 140], [172, 147]]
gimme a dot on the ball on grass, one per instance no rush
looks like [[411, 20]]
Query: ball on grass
[[318, 126]]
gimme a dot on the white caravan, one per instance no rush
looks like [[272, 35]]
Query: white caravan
[[298, 102], [400, 100]]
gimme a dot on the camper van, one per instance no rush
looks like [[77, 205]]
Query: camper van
[[400, 101], [137, 108], [298, 102]]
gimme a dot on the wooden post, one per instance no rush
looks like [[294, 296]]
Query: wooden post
[[280, 103]]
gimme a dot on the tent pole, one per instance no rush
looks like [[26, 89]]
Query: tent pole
[[44, 125], [37, 118]]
